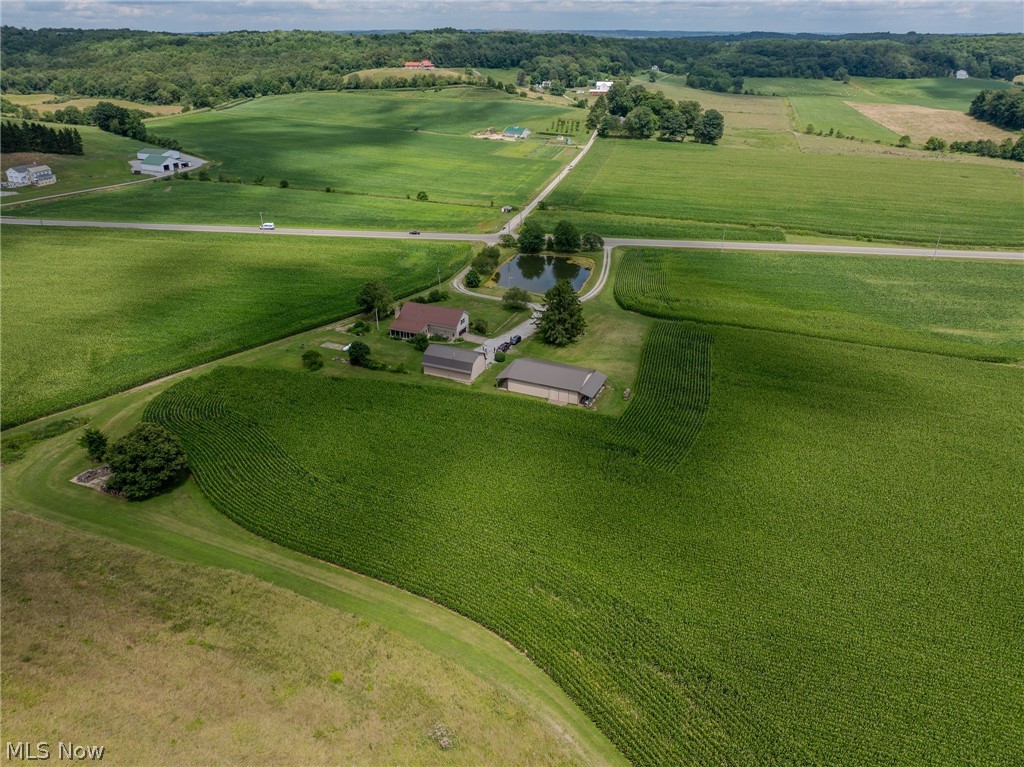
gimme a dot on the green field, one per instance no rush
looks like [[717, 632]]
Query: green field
[[198, 202], [898, 200], [827, 113], [106, 161], [89, 312], [416, 637], [821, 535], [382, 144], [965, 308]]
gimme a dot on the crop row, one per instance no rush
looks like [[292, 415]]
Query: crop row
[[672, 395]]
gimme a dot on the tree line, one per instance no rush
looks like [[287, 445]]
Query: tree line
[[201, 70], [1003, 108], [35, 137]]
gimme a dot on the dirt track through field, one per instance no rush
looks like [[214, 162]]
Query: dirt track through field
[[922, 122]]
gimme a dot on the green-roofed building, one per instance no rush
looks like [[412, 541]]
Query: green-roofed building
[[516, 132]]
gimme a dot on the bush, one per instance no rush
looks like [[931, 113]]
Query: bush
[[437, 295], [479, 326], [95, 443], [507, 241], [312, 360], [515, 299], [420, 342], [400, 368], [358, 354], [422, 196], [499, 356], [904, 141], [361, 327], [284, 183], [145, 461], [472, 279], [934, 144], [591, 241], [372, 364]]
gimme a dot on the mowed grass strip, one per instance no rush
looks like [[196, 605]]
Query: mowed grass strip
[[190, 661], [89, 312], [890, 199], [844, 525], [963, 308]]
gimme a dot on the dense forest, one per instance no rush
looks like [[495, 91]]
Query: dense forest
[[201, 70], [34, 137]]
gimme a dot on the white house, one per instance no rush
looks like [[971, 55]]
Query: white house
[[602, 86], [34, 175], [961, 74]]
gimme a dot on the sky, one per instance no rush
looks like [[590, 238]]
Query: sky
[[820, 16]]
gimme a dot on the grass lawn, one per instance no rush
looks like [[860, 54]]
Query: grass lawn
[[105, 162], [881, 198], [117, 308], [964, 308], [844, 525], [403, 660], [934, 92], [195, 660]]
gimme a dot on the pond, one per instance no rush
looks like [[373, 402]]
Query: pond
[[538, 274]]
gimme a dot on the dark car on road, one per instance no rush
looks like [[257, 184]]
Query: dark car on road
[[415, 231], [504, 347], [515, 339]]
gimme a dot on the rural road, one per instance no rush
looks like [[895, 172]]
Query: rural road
[[615, 242]]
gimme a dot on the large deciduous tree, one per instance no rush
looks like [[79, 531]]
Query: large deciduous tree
[[531, 237], [562, 321], [145, 461], [710, 127], [375, 296], [641, 123], [567, 237]]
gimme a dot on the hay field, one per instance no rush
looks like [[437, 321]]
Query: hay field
[[920, 122]]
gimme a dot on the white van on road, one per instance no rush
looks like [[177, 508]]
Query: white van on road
[[268, 225]]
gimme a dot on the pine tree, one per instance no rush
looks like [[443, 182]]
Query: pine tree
[[562, 321]]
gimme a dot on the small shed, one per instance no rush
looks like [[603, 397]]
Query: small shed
[[961, 74], [557, 383], [453, 363]]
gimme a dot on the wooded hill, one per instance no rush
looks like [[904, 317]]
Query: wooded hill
[[201, 70]]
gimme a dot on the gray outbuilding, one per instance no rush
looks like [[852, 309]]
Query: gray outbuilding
[[453, 363], [557, 383]]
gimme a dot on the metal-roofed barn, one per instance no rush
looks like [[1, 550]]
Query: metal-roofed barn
[[557, 383], [453, 363]]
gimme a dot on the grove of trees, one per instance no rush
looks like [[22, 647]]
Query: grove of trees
[[1004, 108], [36, 137]]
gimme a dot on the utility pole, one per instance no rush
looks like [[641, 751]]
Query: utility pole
[[261, 218], [439, 276], [376, 318]]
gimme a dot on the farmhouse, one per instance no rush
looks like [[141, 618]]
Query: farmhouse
[[463, 365], [514, 131], [413, 318], [601, 86], [557, 383], [961, 74], [34, 175], [425, 64]]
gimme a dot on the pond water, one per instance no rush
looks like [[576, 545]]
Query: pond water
[[538, 274]]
